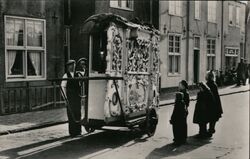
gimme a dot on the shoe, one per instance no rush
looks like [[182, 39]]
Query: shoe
[[211, 131]]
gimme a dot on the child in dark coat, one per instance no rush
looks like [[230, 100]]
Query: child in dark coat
[[183, 88], [178, 120]]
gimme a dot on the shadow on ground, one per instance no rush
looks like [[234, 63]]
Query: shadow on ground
[[68, 148], [171, 150]]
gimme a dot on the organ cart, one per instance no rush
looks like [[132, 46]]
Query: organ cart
[[123, 74]]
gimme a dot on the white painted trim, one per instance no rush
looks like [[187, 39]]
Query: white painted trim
[[174, 53]]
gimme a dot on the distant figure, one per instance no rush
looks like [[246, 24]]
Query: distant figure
[[183, 88], [203, 109], [178, 120], [241, 73], [72, 91], [217, 108]]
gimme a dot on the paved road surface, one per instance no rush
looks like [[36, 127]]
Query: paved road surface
[[230, 141]]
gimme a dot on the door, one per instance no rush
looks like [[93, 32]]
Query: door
[[196, 65], [97, 68]]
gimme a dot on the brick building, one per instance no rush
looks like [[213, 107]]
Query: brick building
[[31, 40], [197, 36], [77, 11], [31, 46]]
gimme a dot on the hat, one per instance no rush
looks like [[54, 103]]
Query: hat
[[210, 76], [184, 83], [82, 59], [70, 62]]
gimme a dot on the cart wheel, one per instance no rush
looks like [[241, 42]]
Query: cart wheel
[[152, 122], [89, 129]]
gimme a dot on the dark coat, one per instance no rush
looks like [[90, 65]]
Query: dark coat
[[216, 114], [186, 98], [179, 113], [178, 120], [204, 107], [241, 70], [73, 94]]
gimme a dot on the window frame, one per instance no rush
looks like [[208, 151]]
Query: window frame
[[212, 11], [237, 15], [197, 16], [211, 55], [174, 54], [25, 48], [122, 7]]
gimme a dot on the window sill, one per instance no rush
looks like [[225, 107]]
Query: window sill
[[126, 9], [14, 79], [174, 74], [177, 15], [212, 22]]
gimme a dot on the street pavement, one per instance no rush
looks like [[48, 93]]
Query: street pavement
[[38, 119], [231, 140]]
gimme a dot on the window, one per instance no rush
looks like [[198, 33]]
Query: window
[[237, 16], [123, 4], [25, 48], [231, 57], [197, 10], [211, 45], [211, 11], [175, 7], [174, 51], [230, 11], [196, 42]]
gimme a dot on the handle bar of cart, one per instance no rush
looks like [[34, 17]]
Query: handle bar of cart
[[81, 79]]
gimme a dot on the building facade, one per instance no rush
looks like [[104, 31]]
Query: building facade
[[31, 51], [77, 11], [233, 34], [31, 41], [197, 37], [248, 33]]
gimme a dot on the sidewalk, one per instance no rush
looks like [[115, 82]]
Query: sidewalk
[[39, 119]]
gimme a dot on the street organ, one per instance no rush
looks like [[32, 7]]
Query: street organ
[[123, 74]]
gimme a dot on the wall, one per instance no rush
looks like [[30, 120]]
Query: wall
[[233, 35], [80, 11], [200, 28], [248, 33], [54, 29], [173, 24]]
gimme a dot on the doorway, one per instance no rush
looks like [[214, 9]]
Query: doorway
[[196, 65]]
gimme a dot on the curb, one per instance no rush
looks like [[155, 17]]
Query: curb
[[194, 99], [39, 126], [44, 125]]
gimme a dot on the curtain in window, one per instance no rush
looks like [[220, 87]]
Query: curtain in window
[[11, 60], [36, 61]]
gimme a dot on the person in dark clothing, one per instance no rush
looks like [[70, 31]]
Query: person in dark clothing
[[217, 112], [183, 88], [72, 91], [241, 73], [178, 120], [204, 109]]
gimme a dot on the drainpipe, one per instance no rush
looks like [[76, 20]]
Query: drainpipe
[[222, 37], [187, 41], [151, 12]]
